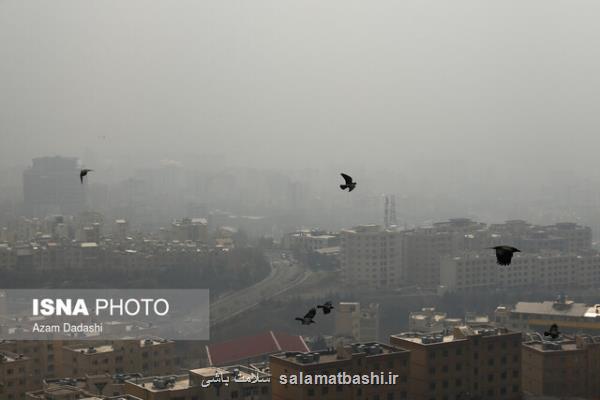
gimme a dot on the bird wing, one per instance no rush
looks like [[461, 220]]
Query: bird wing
[[311, 313], [347, 178], [81, 175], [503, 257]]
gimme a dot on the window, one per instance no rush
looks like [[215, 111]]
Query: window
[[432, 385], [324, 390], [311, 392], [432, 370]]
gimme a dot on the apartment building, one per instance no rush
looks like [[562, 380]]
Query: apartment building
[[538, 316], [45, 357], [479, 271], [466, 363], [15, 378], [563, 368], [371, 257], [147, 356], [211, 383], [356, 322], [359, 358], [309, 240]]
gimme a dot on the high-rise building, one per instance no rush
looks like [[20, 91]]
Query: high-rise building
[[563, 368], [371, 257], [423, 248], [483, 362], [373, 359], [52, 186]]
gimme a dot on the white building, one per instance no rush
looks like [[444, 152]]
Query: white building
[[370, 257]]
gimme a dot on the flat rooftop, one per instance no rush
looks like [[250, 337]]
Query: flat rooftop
[[569, 309], [459, 333], [371, 349], [178, 382]]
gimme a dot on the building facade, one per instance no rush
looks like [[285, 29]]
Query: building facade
[[482, 362], [371, 257], [356, 359]]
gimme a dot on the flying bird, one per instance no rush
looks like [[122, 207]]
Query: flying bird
[[83, 173], [504, 254], [553, 333], [308, 318], [350, 184], [327, 307]]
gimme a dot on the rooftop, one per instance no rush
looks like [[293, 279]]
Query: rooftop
[[459, 333], [370, 349], [567, 308]]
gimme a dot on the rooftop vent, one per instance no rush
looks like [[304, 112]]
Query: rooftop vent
[[432, 339], [551, 346]]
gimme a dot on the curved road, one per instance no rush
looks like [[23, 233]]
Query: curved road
[[285, 275]]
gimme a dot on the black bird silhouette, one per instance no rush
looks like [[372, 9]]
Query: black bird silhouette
[[504, 254], [327, 307], [553, 333], [83, 173], [350, 184], [308, 318]]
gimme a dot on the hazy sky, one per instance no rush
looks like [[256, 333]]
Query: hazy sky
[[327, 82]]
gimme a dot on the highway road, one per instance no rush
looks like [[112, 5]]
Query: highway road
[[285, 274]]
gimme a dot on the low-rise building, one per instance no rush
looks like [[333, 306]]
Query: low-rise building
[[539, 316]]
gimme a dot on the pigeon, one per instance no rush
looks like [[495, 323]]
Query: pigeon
[[83, 173], [553, 333], [504, 254], [327, 307], [308, 318], [350, 184]]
